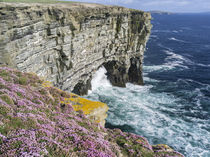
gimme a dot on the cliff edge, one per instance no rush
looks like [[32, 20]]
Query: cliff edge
[[67, 43]]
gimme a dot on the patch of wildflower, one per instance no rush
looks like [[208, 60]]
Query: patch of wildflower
[[41, 121]]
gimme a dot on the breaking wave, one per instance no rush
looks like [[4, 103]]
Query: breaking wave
[[174, 39]]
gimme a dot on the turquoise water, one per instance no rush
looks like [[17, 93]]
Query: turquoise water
[[173, 107]]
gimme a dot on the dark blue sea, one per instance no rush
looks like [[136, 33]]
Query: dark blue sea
[[173, 107]]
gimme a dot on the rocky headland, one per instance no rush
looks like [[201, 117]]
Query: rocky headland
[[64, 45]]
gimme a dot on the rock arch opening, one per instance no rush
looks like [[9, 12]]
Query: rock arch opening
[[118, 73]]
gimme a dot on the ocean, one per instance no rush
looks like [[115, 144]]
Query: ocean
[[173, 107]]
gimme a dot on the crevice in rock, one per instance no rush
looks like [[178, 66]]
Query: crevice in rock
[[116, 73], [82, 87], [135, 71]]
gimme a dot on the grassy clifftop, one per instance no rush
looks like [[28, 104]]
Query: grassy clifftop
[[37, 119]]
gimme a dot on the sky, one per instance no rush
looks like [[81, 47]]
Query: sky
[[160, 5]]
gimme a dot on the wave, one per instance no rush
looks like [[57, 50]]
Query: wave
[[162, 46], [195, 83], [147, 79], [178, 57], [166, 31], [172, 61], [100, 80], [203, 65], [174, 39], [164, 67], [154, 36], [175, 31], [207, 46], [176, 60], [162, 31], [186, 28]]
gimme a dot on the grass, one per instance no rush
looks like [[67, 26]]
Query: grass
[[36, 1], [7, 99], [14, 123], [4, 111]]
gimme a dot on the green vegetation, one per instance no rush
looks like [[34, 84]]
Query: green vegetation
[[16, 144], [6, 98], [17, 123], [118, 25], [23, 80], [4, 110]]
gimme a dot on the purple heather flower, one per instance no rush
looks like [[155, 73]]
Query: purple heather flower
[[2, 136]]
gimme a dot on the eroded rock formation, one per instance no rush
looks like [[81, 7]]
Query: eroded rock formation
[[67, 43]]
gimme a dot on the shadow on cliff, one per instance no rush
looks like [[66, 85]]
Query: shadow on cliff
[[124, 128]]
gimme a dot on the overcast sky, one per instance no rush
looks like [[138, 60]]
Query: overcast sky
[[163, 5]]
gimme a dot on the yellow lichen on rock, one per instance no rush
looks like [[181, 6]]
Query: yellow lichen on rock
[[87, 106], [93, 109], [47, 84]]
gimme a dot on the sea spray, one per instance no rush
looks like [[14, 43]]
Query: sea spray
[[99, 80]]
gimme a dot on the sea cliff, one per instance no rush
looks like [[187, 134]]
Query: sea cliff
[[67, 43], [64, 44]]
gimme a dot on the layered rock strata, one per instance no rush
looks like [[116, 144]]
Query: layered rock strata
[[67, 43]]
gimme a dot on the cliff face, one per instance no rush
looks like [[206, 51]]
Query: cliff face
[[67, 43]]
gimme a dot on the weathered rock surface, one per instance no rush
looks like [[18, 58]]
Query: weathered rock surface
[[67, 43]]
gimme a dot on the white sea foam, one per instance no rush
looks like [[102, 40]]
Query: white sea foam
[[177, 59], [175, 31], [203, 65], [172, 61], [147, 79], [172, 55], [178, 40], [153, 36], [100, 79], [166, 31], [161, 31], [162, 46]]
